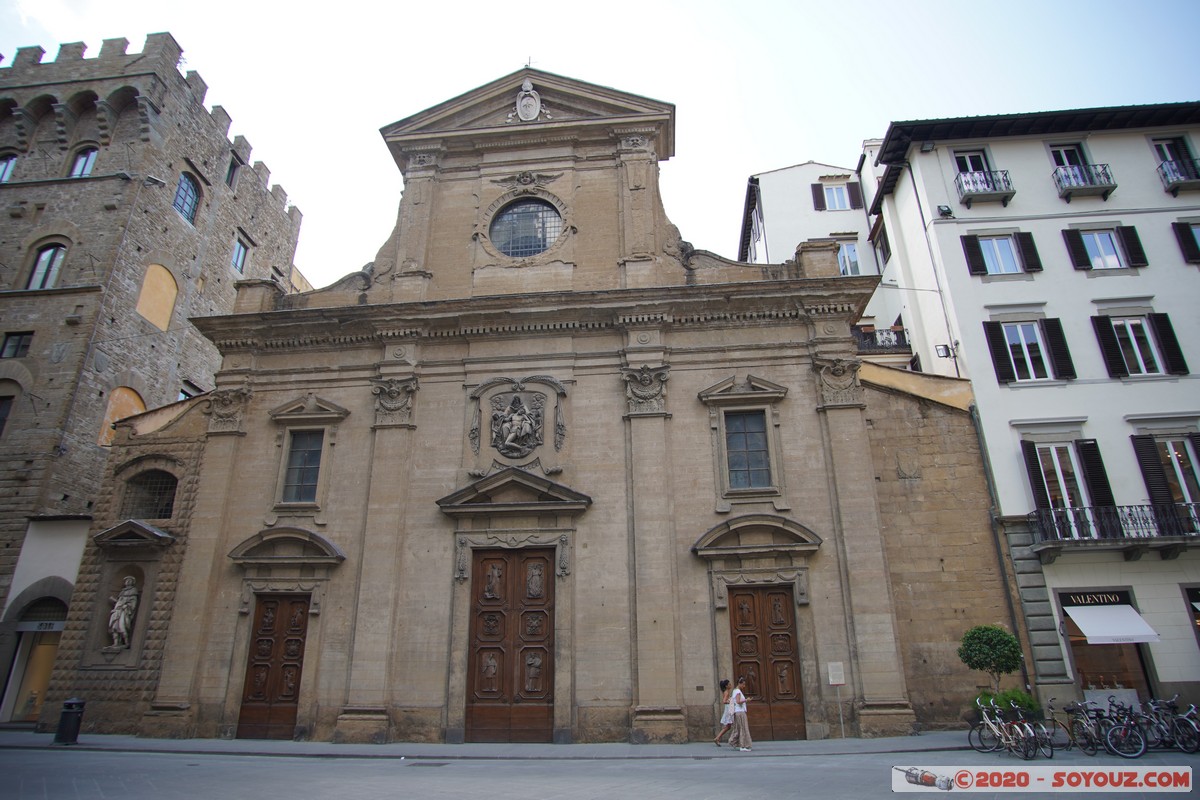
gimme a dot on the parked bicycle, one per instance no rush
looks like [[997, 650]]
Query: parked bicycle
[[993, 732]]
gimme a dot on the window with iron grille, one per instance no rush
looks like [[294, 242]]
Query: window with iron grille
[[526, 228], [149, 495]]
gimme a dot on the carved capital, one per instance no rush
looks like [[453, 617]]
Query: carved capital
[[646, 388], [838, 381], [393, 400], [226, 408]]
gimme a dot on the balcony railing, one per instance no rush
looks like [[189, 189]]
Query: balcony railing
[[985, 185], [1084, 179], [885, 340], [1116, 523], [1180, 176]]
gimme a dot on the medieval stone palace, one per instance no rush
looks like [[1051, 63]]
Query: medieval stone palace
[[541, 472]]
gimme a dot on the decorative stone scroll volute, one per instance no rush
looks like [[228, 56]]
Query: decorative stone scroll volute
[[837, 380], [393, 400], [225, 410], [646, 389]]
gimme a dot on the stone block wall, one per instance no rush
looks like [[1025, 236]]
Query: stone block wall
[[941, 551]]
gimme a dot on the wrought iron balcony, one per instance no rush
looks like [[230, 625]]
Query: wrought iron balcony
[[987, 185], [1180, 176], [885, 340], [1084, 179], [1168, 529]]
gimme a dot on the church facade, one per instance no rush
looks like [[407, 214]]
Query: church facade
[[541, 472]]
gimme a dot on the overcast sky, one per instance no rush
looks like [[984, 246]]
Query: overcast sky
[[757, 85]]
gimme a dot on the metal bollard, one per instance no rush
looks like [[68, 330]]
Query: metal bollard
[[69, 722]]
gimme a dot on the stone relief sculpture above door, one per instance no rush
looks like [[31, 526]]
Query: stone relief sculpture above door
[[518, 419]]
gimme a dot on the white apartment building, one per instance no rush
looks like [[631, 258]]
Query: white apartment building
[[820, 202], [1054, 259]]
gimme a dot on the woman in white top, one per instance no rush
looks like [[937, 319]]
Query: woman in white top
[[741, 728]]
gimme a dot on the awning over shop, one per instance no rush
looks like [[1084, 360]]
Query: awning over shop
[[1117, 624]]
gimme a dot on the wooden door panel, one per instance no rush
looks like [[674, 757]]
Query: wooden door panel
[[763, 630], [510, 693], [271, 692]]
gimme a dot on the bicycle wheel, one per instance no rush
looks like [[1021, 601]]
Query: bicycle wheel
[[1158, 734], [1022, 744], [982, 739], [1126, 741], [1045, 741], [1187, 737], [1083, 737], [1060, 736]]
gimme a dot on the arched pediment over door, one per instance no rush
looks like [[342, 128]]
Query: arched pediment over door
[[288, 560], [757, 549]]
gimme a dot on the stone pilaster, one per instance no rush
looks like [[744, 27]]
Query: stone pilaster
[[658, 714], [878, 669], [364, 717]]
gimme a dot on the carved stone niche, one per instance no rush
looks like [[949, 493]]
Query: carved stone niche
[[132, 552], [757, 550], [286, 560], [518, 421]]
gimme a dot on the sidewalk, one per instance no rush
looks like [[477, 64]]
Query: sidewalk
[[926, 742]]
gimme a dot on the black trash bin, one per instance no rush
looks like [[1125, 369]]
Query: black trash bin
[[69, 722]]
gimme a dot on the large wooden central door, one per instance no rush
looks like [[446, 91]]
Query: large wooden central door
[[271, 694], [763, 626], [510, 686]]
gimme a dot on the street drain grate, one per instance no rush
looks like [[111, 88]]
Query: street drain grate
[[428, 763]]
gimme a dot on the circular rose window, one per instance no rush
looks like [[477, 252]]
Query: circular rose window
[[525, 228]]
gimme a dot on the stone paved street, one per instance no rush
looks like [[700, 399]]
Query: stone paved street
[[149, 769]]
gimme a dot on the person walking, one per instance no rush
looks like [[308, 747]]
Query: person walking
[[726, 712], [741, 727]]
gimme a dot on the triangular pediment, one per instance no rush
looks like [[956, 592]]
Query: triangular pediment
[[133, 533], [490, 110], [309, 408], [513, 491], [734, 391]]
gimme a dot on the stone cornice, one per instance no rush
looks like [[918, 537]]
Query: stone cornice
[[681, 307]]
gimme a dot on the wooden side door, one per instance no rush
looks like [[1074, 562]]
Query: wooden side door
[[763, 627], [510, 686], [271, 693]]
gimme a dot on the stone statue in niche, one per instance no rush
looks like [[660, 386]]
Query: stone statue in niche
[[517, 423], [120, 619]]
